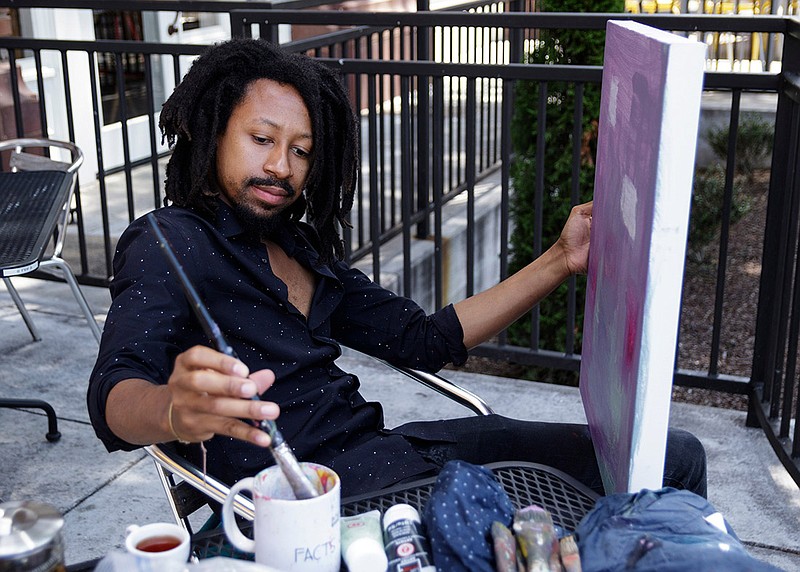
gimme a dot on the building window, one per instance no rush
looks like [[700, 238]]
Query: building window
[[120, 25]]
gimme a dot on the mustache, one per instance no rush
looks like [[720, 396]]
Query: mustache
[[272, 182]]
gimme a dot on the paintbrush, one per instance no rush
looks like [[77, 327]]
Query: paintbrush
[[284, 458], [533, 527], [570, 555]]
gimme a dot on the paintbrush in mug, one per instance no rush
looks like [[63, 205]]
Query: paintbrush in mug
[[284, 458]]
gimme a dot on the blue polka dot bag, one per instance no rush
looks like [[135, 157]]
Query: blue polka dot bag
[[465, 500]]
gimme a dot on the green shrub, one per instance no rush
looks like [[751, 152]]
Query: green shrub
[[578, 47], [754, 139], [707, 202]]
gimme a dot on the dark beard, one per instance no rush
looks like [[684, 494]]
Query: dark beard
[[262, 224], [259, 225]]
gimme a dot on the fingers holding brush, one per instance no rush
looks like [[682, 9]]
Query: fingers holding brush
[[211, 393]]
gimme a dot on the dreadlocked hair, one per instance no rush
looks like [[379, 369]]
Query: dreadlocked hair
[[198, 110]]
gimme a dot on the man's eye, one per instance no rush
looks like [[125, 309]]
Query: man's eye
[[260, 140], [301, 152]]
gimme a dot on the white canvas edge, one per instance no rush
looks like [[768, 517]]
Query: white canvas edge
[[661, 36], [677, 147]]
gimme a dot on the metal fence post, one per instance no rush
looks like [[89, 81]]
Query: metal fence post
[[423, 125], [778, 315]]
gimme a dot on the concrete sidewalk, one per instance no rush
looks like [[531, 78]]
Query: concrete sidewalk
[[100, 494]]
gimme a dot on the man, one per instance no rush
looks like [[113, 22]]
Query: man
[[261, 138]]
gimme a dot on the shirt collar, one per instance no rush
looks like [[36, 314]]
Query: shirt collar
[[287, 235], [226, 222]]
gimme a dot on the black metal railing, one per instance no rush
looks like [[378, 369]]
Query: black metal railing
[[435, 94], [774, 402]]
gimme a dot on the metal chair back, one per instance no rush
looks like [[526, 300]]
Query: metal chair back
[[35, 198]]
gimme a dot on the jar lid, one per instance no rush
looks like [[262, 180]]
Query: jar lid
[[27, 526], [400, 512]]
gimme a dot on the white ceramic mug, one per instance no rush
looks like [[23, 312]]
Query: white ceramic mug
[[289, 534], [158, 544]]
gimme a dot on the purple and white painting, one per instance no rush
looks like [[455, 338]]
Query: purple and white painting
[[650, 105]]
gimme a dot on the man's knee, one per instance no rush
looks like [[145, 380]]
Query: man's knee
[[684, 443], [685, 465]]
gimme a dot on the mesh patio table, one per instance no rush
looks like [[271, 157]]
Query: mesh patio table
[[566, 499]]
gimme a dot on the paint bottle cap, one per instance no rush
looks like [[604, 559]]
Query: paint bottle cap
[[366, 555], [400, 512]]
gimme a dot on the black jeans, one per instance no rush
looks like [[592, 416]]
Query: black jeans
[[563, 446]]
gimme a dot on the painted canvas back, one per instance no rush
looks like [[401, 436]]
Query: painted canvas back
[[650, 106]]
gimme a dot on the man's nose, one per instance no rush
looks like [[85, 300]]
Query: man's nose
[[277, 163]]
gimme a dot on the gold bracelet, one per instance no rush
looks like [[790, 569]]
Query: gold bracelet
[[172, 427]]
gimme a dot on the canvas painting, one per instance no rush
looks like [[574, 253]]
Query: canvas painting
[[650, 106]]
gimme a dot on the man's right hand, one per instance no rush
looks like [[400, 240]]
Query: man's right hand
[[208, 393], [211, 392]]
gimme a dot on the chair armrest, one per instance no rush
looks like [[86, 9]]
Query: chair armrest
[[214, 489], [447, 388], [29, 162], [23, 161]]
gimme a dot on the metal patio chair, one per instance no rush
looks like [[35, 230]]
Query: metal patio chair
[[35, 197], [187, 489]]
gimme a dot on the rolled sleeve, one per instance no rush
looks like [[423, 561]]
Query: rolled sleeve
[[139, 338]]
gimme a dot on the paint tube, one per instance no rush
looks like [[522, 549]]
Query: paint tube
[[362, 542], [533, 527], [406, 548], [505, 549]]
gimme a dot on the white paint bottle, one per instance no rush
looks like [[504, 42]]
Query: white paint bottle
[[406, 547]]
